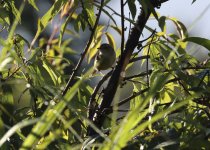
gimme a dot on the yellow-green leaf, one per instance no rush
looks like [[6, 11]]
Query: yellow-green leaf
[[93, 50], [43, 22], [117, 29], [95, 43], [181, 29], [200, 41], [32, 3], [110, 39]]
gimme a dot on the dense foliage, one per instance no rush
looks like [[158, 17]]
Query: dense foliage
[[47, 98]]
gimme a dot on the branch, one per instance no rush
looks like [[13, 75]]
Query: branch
[[142, 74], [71, 78], [132, 96], [116, 77], [139, 58], [92, 103]]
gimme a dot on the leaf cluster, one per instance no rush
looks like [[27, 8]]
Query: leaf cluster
[[168, 106]]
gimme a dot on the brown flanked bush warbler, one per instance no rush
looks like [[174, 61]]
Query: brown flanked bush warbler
[[105, 58]]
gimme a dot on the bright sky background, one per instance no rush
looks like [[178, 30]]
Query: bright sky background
[[190, 14], [196, 17], [187, 13]]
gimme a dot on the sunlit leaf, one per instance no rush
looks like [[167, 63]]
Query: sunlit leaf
[[5, 62], [94, 49], [63, 28], [53, 74], [91, 16], [181, 29], [110, 39], [117, 29], [4, 15], [32, 2], [44, 21], [67, 7], [95, 43], [7, 98], [77, 24], [50, 115], [14, 10]]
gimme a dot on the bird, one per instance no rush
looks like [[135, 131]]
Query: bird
[[105, 58]]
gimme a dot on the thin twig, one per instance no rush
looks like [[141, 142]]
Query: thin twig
[[123, 27], [142, 46], [139, 58], [152, 35], [55, 30], [142, 74], [13, 73], [114, 12], [92, 102], [169, 70], [71, 78], [139, 82], [132, 97]]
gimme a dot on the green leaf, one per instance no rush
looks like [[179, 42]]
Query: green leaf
[[200, 41], [14, 10], [181, 29], [63, 28], [132, 7], [51, 114], [36, 53], [2, 131], [162, 23], [91, 16], [77, 24], [5, 62], [4, 15], [95, 44], [159, 116], [8, 43], [80, 22], [137, 100], [158, 79], [94, 49], [117, 29], [19, 38], [53, 74], [32, 2], [110, 39], [7, 98], [44, 21]]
